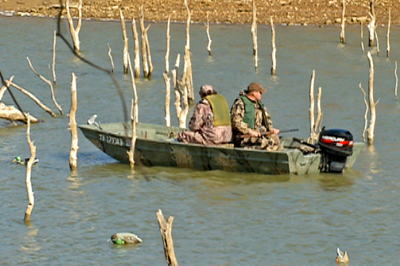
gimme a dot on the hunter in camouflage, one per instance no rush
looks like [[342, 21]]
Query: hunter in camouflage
[[210, 123], [251, 124]]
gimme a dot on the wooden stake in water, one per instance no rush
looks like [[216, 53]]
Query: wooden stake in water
[[111, 58], [388, 38], [31, 199], [187, 75], [342, 32], [144, 50], [53, 65], [372, 24], [254, 34], [366, 112], [397, 78], [273, 52], [125, 41], [137, 50], [73, 158], [134, 117], [372, 103], [208, 35]]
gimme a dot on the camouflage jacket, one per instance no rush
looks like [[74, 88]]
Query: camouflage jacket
[[239, 127], [202, 128]]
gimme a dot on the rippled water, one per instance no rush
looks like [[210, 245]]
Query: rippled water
[[220, 218]]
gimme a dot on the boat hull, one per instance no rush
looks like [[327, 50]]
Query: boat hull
[[153, 147]]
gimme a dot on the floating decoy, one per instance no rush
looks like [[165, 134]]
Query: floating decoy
[[125, 238], [341, 256], [18, 160]]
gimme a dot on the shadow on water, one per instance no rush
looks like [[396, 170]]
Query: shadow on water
[[334, 182]]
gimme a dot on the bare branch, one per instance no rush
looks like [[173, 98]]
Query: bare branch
[[48, 82]]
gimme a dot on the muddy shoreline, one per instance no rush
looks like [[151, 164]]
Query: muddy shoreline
[[288, 12]]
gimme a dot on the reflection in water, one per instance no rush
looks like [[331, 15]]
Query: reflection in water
[[30, 244], [76, 182], [333, 182]]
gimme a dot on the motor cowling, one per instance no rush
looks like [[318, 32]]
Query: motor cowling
[[335, 145]]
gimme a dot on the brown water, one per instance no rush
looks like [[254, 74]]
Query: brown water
[[220, 218]]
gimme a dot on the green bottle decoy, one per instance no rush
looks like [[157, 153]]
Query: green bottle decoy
[[18, 160], [125, 238]]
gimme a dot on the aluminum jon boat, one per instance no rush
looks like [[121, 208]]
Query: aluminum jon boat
[[156, 146]]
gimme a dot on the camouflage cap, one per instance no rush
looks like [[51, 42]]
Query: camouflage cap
[[254, 86], [206, 89]]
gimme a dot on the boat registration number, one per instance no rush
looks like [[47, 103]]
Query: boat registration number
[[112, 140]]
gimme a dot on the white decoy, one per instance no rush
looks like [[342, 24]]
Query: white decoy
[[92, 121], [341, 256], [125, 238]]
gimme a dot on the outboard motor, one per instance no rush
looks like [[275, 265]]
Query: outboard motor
[[336, 145]]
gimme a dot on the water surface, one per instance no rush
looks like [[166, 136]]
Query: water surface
[[220, 218]]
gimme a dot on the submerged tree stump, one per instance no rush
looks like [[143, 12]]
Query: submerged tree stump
[[125, 41], [73, 158], [75, 30], [31, 199], [273, 52], [372, 103], [166, 234], [342, 32]]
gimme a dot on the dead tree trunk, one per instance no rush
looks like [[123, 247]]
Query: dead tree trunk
[[167, 79], [73, 158], [388, 37], [144, 50], [12, 114], [168, 46], [273, 52], [372, 24], [372, 103], [378, 51], [208, 35], [187, 79], [318, 121], [148, 54], [342, 33], [53, 65], [312, 107], [75, 31], [166, 234], [137, 53], [315, 125], [396, 77], [134, 117], [366, 112], [181, 95], [187, 69], [111, 58], [31, 199], [48, 82], [254, 35], [125, 41], [362, 37]]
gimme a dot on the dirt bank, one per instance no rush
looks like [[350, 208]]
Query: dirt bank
[[303, 12]]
